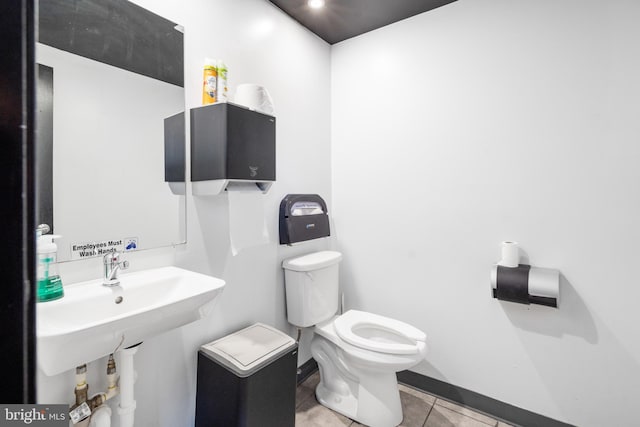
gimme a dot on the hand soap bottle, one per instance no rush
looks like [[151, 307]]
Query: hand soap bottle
[[49, 283]]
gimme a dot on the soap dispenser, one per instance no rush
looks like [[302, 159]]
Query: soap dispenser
[[49, 283]]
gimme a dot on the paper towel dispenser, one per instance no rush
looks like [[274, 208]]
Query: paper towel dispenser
[[232, 147], [303, 217]]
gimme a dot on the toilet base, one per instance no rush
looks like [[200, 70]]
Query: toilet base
[[370, 409], [370, 398]]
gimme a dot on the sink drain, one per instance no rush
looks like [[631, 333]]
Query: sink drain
[[119, 300]]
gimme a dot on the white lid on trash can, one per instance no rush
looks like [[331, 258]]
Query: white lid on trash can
[[246, 351]]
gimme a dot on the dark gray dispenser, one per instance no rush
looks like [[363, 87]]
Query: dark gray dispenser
[[174, 153], [303, 217], [525, 284], [232, 147]]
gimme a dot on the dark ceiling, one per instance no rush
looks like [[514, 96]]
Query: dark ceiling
[[339, 20]]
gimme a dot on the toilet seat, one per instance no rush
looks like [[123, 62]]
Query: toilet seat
[[378, 333]]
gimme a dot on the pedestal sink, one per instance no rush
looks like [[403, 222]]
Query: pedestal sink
[[92, 320]]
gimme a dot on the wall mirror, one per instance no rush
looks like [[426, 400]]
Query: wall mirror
[[110, 144]]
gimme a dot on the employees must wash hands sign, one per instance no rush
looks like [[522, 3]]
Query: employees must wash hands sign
[[92, 249]]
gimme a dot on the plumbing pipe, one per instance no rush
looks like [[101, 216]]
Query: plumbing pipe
[[101, 417], [96, 402], [112, 378], [81, 391], [81, 375], [82, 388], [127, 405]]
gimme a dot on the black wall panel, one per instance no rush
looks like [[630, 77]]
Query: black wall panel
[[115, 32], [17, 258]]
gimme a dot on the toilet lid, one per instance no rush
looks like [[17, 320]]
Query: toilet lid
[[378, 333]]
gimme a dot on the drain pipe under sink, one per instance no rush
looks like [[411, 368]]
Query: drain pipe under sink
[[101, 417], [127, 405]]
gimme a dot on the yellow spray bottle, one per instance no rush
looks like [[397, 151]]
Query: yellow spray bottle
[[210, 82]]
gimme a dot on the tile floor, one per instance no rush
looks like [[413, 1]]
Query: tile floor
[[420, 409]]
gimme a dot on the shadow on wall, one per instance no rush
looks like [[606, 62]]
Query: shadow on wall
[[610, 367], [213, 217], [571, 318]]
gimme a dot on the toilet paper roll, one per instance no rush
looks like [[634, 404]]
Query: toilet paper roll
[[247, 224], [254, 97], [510, 255]]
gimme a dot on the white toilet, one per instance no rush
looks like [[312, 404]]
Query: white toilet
[[358, 353]]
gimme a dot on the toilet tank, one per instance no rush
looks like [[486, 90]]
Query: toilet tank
[[311, 286]]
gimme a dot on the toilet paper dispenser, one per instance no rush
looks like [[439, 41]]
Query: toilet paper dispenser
[[522, 283], [303, 217]]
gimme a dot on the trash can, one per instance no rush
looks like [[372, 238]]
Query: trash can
[[247, 379]]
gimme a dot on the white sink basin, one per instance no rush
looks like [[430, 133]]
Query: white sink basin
[[88, 322]]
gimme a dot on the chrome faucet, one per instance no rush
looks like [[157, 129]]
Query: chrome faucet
[[112, 265]]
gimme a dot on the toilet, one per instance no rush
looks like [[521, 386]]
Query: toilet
[[358, 353]]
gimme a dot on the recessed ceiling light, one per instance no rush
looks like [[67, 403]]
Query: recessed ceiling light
[[315, 4]]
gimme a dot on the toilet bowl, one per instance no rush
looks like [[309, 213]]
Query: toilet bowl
[[358, 354], [378, 333]]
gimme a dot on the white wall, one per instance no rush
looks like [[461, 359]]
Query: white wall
[[492, 120], [260, 45]]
